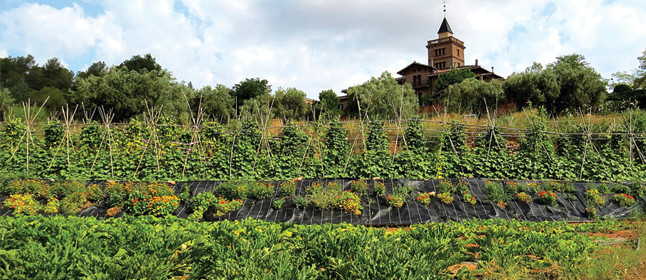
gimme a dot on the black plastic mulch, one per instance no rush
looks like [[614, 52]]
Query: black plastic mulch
[[571, 207]]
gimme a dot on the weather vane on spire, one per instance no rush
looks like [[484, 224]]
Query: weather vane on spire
[[444, 2]]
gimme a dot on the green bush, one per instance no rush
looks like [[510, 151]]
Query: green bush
[[380, 188], [259, 190], [359, 186], [232, 190], [24, 186], [324, 196], [278, 203], [301, 202], [620, 188], [495, 193], [445, 186], [287, 188]]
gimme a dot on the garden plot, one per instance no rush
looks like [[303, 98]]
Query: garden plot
[[359, 202]]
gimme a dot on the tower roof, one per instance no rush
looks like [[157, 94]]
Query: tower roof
[[445, 27]]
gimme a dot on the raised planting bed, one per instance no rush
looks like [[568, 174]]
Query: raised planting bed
[[362, 202]]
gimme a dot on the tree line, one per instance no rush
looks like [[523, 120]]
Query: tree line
[[131, 88], [138, 84]]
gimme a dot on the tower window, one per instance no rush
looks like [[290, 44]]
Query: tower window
[[458, 53]]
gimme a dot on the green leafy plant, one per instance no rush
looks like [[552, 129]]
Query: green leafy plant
[[324, 196], [445, 186], [148, 247], [424, 198], [603, 188], [94, 193], [619, 188], [287, 188], [26, 186], [349, 202], [223, 206], [333, 196], [380, 188], [394, 200], [200, 203], [301, 202], [336, 150], [522, 196], [637, 189], [259, 190], [116, 194], [495, 192], [404, 190], [185, 194], [512, 187], [446, 198], [624, 200], [22, 203], [567, 187], [591, 212], [278, 203], [233, 190], [359, 186], [72, 204], [547, 198], [595, 197]]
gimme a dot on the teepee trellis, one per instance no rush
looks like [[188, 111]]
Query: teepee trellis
[[68, 119], [195, 133], [27, 136], [151, 119], [106, 118]]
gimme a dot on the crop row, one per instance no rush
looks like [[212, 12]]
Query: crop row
[[163, 248], [209, 152], [31, 197]]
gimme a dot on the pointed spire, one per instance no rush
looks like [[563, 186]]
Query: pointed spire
[[445, 27]]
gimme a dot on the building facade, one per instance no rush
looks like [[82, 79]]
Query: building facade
[[444, 53]]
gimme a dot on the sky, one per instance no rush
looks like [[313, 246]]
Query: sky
[[315, 45]]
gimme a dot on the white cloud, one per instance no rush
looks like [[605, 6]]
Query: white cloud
[[46, 31], [318, 45]]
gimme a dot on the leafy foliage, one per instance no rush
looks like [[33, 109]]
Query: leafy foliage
[[242, 151], [567, 85], [289, 104], [336, 150], [140, 64], [474, 96], [383, 98], [129, 93], [217, 102], [329, 105], [453, 77], [250, 88], [261, 249]]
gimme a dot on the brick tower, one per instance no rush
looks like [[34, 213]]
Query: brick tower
[[446, 51]]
